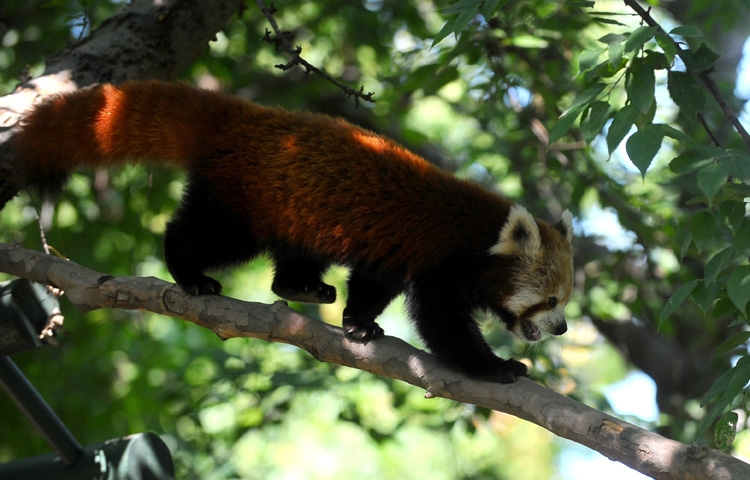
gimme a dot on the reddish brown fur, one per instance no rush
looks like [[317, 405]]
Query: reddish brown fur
[[294, 170]]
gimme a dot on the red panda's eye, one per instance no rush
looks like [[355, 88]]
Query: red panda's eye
[[552, 302]]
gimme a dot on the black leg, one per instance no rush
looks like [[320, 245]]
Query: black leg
[[368, 297], [298, 278], [202, 235], [444, 321]]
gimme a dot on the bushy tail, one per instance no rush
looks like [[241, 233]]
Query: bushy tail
[[145, 122]]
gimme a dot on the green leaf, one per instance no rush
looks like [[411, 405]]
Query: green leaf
[[668, 46], [720, 385], [726, 430], [679, 296], [733, 342], [587, 95], [462, 6], [606, 69], [639, 36], [620, 126], [694, 159], [679, 135], [742, 239], [643, 145], [732, 214], [613, 38], [738, 381], [614, 54], [580, 3], [466, 15], [712, 414], [588, 59], [492, 6], [447, 29], [686, 31], [718, 263], [711, 178], [567, 119], [724, 307], [702, 228], [686, 93], [739, 166], [641, 86], [701, 59], [564, 123], [705, 295], [607, 21], [594, 123], [738, 287]]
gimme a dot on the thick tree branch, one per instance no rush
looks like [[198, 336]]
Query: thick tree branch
[[642, 450]]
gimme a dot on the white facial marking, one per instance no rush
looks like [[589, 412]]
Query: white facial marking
[[522, 300]]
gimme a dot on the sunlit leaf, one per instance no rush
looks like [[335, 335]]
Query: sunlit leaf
[[448, 28], [668, 46], [589, 59], [639, 36], [615, 54], [564, 123], [726, 430], [641, 88], [613, 38], [643, 145]]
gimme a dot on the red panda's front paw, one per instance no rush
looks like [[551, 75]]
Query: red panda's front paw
[[362, 331], [506, 371]]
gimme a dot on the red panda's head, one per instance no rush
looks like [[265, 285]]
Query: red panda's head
[[539, 276]]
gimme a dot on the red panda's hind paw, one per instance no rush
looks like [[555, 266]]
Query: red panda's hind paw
[[362, 331], [202, 285], [319, 293]]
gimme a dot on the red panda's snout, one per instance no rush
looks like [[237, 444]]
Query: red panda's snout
[[537, 319]]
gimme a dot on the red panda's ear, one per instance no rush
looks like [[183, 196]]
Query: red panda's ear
[[519, 235], [565, 225]]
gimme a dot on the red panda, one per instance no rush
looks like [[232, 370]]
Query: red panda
[[311, 191]]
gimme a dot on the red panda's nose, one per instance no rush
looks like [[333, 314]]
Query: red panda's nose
[[562, 328]]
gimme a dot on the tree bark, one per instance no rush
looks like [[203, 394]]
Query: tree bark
[[637, 448]]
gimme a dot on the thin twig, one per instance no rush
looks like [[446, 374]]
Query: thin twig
[[281, 38], [704, 75]]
